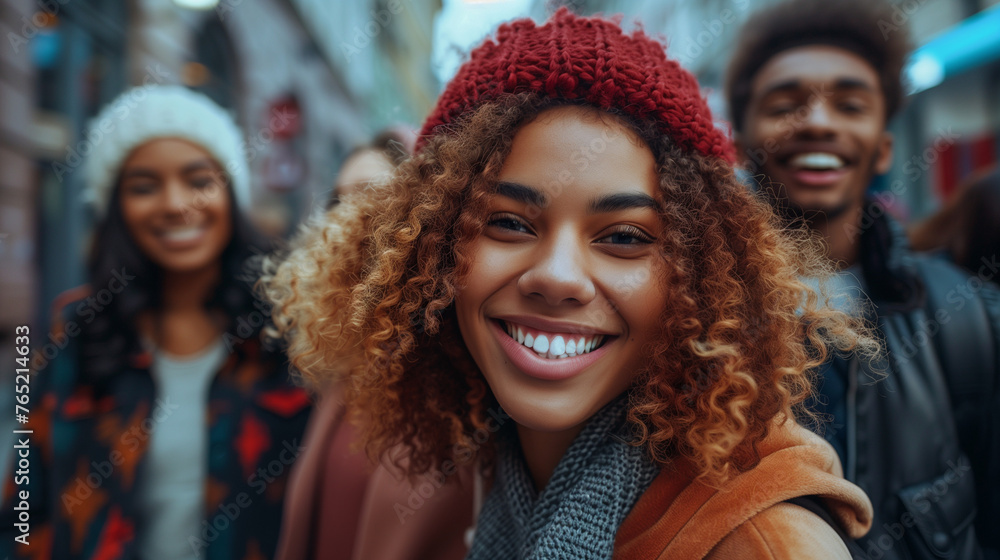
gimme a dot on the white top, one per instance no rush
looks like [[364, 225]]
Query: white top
[[846, 289], [172, 498]]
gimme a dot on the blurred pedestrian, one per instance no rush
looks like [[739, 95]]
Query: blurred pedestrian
[[339, 507], [163, 428], [811, 88], [372, 162], [967, 229], [568, 285]]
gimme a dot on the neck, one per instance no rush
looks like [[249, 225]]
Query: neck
[[842, 234], [189, 289], [543, 451]]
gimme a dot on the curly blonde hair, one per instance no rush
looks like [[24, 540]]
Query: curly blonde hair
[[366, 297]]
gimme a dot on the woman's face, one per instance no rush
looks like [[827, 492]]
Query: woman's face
[[175, 203], [362, 169], [564, 292]]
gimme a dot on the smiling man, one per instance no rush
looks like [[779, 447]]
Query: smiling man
[[811, 89]]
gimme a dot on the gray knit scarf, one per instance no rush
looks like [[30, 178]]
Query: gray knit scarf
[[577, 515]]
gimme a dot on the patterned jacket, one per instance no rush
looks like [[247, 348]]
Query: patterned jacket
[[87, 454]]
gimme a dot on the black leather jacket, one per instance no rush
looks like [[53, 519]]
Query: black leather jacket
[[924, 465]]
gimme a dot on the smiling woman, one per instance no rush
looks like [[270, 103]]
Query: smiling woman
[[570, 243], [166, 415]]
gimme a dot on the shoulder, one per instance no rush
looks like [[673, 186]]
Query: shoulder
[[63, 307], [783, 531], [935, 267], [972, 299], [943, 278], [748, 517], [53, 356]]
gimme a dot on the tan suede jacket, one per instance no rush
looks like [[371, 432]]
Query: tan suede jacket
[[748, 517], [677, 517]]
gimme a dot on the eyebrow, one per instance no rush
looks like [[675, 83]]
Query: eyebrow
[[840, 84], [522, 193], [622, 201], [139, 172], [601, 205], [199, 166]]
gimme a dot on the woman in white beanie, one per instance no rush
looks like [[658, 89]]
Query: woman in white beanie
[[164, 428]]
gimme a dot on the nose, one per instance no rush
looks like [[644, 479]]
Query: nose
[[818, 120], [560, 272], [177, 196]]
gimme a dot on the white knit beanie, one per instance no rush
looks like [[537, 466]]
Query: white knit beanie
[[148, 112]]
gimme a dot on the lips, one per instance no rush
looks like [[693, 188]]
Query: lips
[[539, 361]]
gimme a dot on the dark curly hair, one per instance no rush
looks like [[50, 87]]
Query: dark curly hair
[[864, 27], [366, 297]]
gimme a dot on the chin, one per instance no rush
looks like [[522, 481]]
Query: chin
[[818, 204], [806, 204], [543, 413], [182, 265]]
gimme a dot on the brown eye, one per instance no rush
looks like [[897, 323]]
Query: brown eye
[[201, 182], [627, 235], [140, 188], [508, 222], [852, 107]]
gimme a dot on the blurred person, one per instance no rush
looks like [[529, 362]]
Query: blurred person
[[568, 287], [967, 229], [164, 428], [811, 88], [338, 506], [372, 162]]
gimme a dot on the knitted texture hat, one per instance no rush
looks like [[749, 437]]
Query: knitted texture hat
[[584, 58], [146, 113]]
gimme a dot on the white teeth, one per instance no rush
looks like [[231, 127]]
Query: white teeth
[[185, 234], [817, 160], [541, 344], [558, 347]]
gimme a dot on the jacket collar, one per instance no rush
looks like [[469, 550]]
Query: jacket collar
[[887, 261]]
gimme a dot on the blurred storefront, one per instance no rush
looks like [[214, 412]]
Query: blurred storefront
[[949, 130]]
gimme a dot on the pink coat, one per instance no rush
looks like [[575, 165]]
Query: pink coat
[[338, 507]]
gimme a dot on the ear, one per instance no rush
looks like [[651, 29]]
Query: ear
[[883, 154]]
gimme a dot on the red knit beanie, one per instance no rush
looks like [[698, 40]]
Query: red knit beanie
[[573, 57]]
